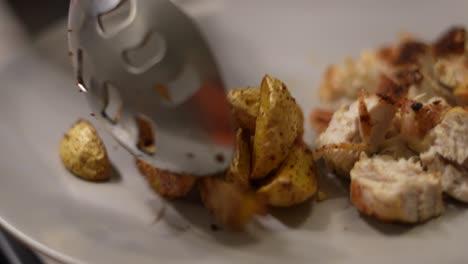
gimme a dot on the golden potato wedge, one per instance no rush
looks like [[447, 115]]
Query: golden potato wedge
[[165, 183], [229, 203], [245, 104], [84, 154], [239, 171], [295, 181], [279, 123]]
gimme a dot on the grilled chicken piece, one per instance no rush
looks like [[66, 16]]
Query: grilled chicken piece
[[351, 78], [320, 119], [396, 147], [403, 116], [353, 128], [395, 190], [452, 75], [418, 119], [448, 154], [454, 177], [451, 136], [427, 70]]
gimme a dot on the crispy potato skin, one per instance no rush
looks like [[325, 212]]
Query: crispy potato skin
[[239, 170], [84, 154], [295, 181], [165, 183], [245, 104], [279, 123], [229, 203]]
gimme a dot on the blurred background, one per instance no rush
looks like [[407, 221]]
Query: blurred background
[[21, 23], [37, 15]]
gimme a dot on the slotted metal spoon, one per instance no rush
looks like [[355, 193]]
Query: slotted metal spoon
[[149, 75]]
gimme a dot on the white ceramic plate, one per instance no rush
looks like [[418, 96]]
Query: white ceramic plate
[[124, 222]]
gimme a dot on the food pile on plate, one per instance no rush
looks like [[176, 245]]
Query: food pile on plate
[[272, 166], [395, 121]]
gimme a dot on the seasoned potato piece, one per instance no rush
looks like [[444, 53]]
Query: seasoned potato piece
[[229, 203], [165, 183], [239, 171], [279, 123], [83, 153], [295, 181], [245, 104]]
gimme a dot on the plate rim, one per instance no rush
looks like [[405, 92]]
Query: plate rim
[[37, 246]]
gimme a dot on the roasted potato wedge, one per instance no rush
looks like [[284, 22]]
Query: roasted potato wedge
[[245, 104], [165, 183], [229, 203], [84, 154], [239, 170], [295, 181], [278, 124]]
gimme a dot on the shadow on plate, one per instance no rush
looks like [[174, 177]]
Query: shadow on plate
[[294, 217], [330, 184], [390, 229], [303, 216], [455, 204], [116, 176], [196, 216], [454, 208]]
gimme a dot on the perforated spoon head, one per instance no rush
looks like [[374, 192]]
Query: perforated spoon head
[[149, 75]]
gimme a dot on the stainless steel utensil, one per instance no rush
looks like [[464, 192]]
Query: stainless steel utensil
[[150, 76]]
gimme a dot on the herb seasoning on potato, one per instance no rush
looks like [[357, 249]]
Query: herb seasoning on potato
[[245, 104], [295, 181], [278, 124]]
